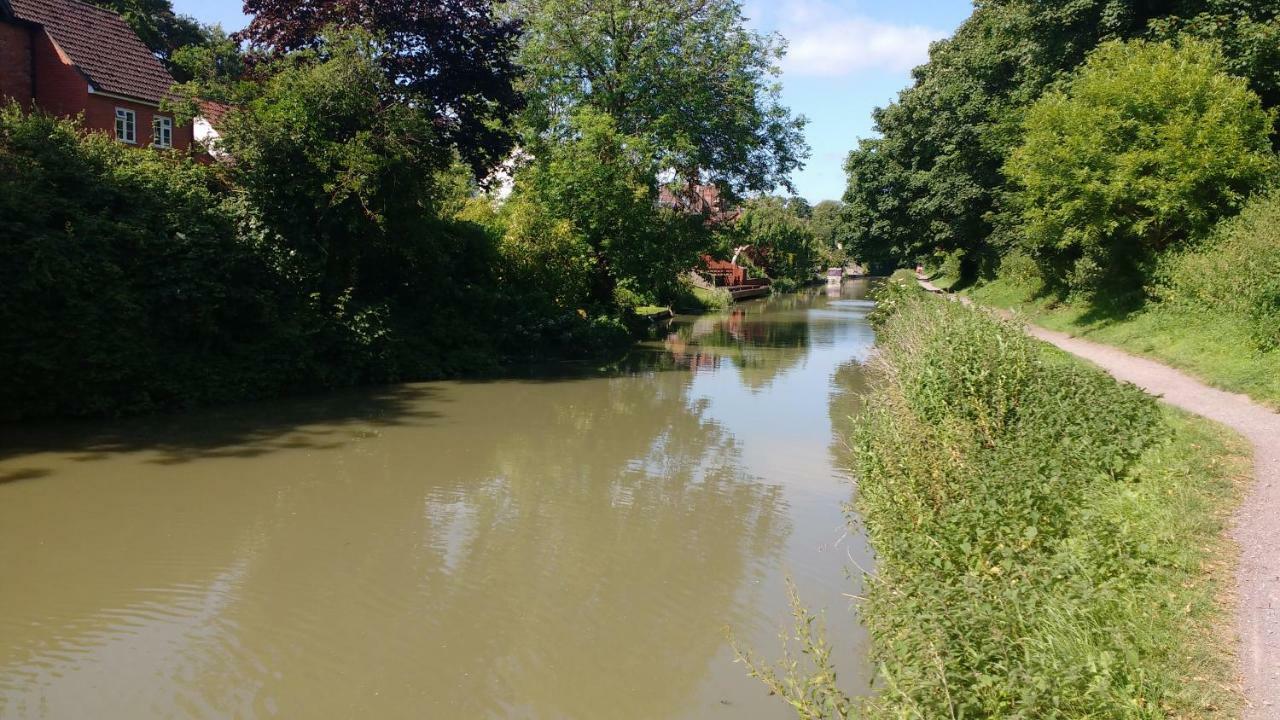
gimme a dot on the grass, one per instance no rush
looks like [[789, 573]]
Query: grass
[[1050, 543], [647, 311], [1215, 347]]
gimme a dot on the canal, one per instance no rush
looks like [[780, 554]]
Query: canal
[[564, 546]]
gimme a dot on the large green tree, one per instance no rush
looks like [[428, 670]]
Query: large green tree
[[1145, 149], [686, 76], [932, 180]]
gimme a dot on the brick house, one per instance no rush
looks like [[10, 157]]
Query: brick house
[[704, 200], [69, 58]]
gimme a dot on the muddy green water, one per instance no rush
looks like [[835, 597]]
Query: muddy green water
[[557, 547]]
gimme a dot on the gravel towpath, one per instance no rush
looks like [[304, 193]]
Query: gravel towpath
[[1257, 523]]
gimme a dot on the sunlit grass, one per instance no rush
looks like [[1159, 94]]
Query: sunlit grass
[[1215, 347]]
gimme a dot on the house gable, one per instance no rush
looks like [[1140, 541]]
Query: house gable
[[100, 45]]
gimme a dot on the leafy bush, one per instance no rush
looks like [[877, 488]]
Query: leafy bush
[[130, 281], [1142, 150], [1234, 273], [692, 296]]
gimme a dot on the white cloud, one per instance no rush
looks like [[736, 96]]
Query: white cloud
[[827, 40]]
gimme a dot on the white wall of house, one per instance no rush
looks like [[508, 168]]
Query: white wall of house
[[208, 137]]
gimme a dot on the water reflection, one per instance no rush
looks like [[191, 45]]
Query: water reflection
[[556, 547]]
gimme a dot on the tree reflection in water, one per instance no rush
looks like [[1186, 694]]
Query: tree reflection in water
[[565, 546]]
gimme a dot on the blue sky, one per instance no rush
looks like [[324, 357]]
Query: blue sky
[[846, 57]]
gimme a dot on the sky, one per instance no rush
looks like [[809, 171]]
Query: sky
[[845, 58]]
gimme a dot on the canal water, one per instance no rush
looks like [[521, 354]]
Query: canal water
[[568, 546]]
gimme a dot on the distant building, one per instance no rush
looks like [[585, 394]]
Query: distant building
[[69, 58], [205, 128], [704, 200]]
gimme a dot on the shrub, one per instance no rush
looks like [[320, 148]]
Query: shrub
[[124, 282], [1234, 273], [1142, 150], [692, 296]]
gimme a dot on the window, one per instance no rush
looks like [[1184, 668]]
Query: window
[[126, 125], [162, 132]]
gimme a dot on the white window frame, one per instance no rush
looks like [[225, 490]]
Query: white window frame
[[161, 131], [127, 125]]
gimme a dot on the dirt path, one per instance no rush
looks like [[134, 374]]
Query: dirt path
[[1257, 524]]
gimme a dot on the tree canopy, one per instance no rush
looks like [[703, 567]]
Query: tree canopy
[[454, 58], [1146, 147], [687, 76], [933, 178]]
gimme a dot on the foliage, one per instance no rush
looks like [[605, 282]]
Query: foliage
[[694, 295], [546, 253], [332, 165], [1235, 273], [1143, 150], [211, 64], [1247, 31], [809, 685], [128, 283], [601, 183], [781, 240], [453, 60], [932, 178], [1040, 530], [830, 232], [687, 77]]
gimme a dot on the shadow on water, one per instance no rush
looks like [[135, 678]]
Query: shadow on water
[[763, 339], [564, 544], [243, 431]]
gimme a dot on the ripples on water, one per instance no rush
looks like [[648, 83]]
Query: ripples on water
[[567, 546]]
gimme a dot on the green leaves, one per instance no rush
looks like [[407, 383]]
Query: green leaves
[[685, 76], [1143, 150]]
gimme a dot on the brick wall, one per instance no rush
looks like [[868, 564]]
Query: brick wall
[[59, 88], [15, 63], [100, 114]]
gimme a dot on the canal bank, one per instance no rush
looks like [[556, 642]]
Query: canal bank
[[558, 545], [1049, 542]]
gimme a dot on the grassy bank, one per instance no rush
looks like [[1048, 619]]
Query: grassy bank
[[1217, 347], [1049, 542]]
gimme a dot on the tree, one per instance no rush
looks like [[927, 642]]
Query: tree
[[332, 164], [686, 76], [781, 240], [932, 181], [210, 65], [601, 182], [452, 58], [1143, 150], [829, 227]]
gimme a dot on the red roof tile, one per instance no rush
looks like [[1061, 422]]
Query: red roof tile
[[101, 45], [213, 111]]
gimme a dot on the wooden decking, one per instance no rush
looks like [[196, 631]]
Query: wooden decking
[[750, 289]]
